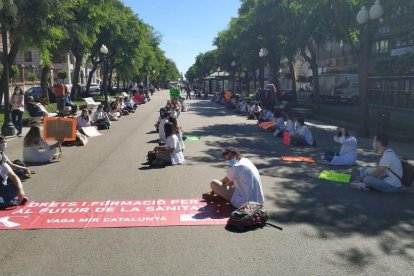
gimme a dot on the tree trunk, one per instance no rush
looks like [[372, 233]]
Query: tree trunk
[[111, 71], [76, 73], [254, 80], [43, 83], [15, 47], [292, 73], [314, 67], [88, 84]]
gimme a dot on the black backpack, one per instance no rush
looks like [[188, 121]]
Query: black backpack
[[249, 216]]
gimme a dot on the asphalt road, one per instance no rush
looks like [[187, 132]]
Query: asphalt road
[[327, 228]]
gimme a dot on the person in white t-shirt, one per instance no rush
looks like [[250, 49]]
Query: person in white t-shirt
[[161, 130], [173, 145], [9, 190], [347, 155], [386, 177], [241, 184], [303, 136]]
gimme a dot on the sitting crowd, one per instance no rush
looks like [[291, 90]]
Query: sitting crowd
[[171, 141], [242, 182], [37, 151]]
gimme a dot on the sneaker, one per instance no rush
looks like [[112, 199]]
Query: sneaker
[[359, 186]]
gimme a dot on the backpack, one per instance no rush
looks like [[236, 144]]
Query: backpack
[[407, 178], [250, 215]]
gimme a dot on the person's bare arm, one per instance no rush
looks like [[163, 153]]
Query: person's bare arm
[[378, 171], [15, 167]]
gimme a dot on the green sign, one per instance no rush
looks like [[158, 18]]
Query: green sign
[[333, 176], [175, 92]]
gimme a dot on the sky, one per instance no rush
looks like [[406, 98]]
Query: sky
[[188, 27]]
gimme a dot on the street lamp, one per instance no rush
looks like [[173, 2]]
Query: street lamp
[[364, 19], [104, 51], [233, 66], [262, 54], [8, 10]]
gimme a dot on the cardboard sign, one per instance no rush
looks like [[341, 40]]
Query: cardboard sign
[[304, 159], [115, 213], [59, 128], [334, 176], [267, 125], [175, 92], [192, 138], [91, 131]]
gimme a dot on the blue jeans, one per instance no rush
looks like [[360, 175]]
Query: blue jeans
[[7, 193], [17, 120], [378, 184]]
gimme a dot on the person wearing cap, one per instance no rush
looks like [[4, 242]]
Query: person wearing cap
[[241, 184], [10, 185], [68, 102]]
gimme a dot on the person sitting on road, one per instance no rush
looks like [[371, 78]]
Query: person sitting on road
[[255, 111], [173, 145], [290, 123], [34, 109], [18, 167], [177, 130], [10, 185], [303, 135], [113, 112], [347, 155], [35, 149], [126, 104], [241, 184], [161, 131], [280, 124], [101, 119], [83, 120], [386, 177], [265, 116]]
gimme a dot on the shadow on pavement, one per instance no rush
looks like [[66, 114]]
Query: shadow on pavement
[[332, 209]]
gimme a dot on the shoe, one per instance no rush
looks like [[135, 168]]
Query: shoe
[[324, 162], [211, 196], [359, 186]]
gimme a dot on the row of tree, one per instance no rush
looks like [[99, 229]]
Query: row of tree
[[288, 28], [80, 27]]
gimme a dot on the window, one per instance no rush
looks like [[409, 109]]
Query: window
[[28, 56], [381, 47]]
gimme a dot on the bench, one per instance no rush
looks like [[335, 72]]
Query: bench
[[90, 103]]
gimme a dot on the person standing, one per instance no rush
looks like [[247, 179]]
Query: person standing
[[17, 109], [242, 182]]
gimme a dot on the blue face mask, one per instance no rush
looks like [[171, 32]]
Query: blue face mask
[[232, 162]]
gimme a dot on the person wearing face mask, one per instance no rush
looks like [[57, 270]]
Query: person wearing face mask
[[347, 155], [17, 166], [10, 185], [17, 109], [302, 136], [241, 184], [386, 177]]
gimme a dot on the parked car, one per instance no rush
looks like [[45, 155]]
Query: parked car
[[37, 94], [288, 95], [94, 88]]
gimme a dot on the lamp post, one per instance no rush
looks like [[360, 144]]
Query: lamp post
[[365, 20], [262, 54], [104, 52], [8, 10], [218, 75], [233, 66]]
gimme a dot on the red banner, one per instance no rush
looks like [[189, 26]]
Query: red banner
[[115, 213]]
